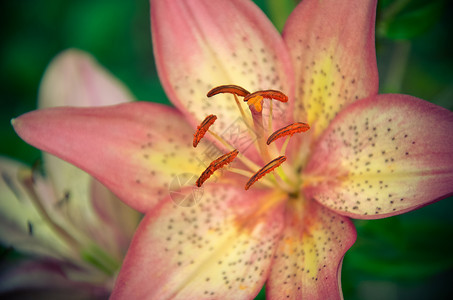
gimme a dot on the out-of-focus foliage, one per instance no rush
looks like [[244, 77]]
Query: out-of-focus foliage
[[116, 32], [403, 257], [407, 19]]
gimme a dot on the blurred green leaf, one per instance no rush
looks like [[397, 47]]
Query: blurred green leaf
[[279, 11], [409, 19], [412, 247], [262, 294]]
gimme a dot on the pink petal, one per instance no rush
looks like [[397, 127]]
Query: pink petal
[[135, 149], [116, 221], [74, 78], [218, 249], [333, 53], [383, 156], [202, 44], [307, 262]]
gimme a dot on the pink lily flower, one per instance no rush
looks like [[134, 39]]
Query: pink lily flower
[[365, 156], [64, 220]]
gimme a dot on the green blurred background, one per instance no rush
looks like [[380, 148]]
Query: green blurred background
[[403, 257]]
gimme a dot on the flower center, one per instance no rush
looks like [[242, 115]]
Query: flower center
[[280, 177]]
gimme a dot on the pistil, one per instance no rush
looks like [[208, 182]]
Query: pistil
[[260, 132], [255, 102]]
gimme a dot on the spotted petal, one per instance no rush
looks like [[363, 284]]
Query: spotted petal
[[218, 249], [202, 44], [383, 156], [307, 262], [332, 49], [135, 149]]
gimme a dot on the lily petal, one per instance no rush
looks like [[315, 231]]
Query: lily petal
[[307, 262], [383, 156], [221, 248], [140, 146], [48, 279], [333, 53], [22, 225], [34, 221], [118, 222], [74, 78], [202, 44]]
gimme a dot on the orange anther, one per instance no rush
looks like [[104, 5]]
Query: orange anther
[[215, 165], [201, 130], [288, 130], [268, 94], [264, 170], [231, 89]]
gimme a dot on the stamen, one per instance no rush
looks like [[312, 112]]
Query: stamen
[[236, 91], [231, 89], [285, 145], [265, 181], [264, 170], [244, 117], [268, 94], [215, 165], [201, 130], [288, 130]]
